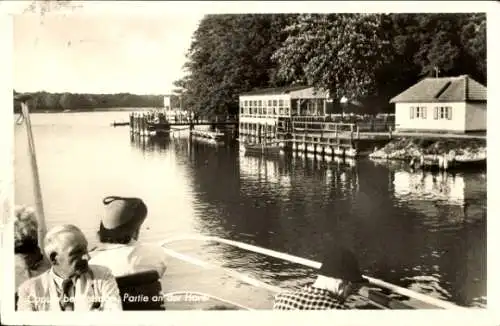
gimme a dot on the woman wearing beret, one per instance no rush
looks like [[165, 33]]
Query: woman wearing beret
[[118, 235]]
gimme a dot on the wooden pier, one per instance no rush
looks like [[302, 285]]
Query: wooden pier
[[150, 124], [316, 137]]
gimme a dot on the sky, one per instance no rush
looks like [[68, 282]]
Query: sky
[[136, 47], [101, 53]]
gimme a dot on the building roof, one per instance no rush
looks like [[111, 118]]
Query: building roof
[[276, 90], [444, 89], [296, 91]]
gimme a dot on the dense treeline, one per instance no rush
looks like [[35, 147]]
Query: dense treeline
[[43, 101], [368, 57]]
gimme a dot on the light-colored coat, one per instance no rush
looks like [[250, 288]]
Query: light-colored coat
[[131, 258], [95, 290]]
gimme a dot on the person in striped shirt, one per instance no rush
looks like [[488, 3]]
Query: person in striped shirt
[[338, 278]]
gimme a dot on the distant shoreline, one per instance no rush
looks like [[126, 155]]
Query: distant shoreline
[[43, 102], [91, 110]]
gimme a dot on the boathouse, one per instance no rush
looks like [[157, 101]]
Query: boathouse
[[260, 110], [445, 104]]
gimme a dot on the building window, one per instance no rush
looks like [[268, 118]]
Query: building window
[[442, 112], [418, 112]]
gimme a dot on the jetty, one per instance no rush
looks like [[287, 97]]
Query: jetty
[[319, 135], [159, 124]]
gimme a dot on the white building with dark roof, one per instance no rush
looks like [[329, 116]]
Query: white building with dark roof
[[445, 104], [283, 102], [260, 110]]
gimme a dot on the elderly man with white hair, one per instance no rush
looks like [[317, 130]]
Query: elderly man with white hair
[[71, 283]]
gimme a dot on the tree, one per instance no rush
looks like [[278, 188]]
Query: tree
[[453, 43], [473, 38], [43, 101], [341, 53], [373, 57], [230, 54], [49, 101]]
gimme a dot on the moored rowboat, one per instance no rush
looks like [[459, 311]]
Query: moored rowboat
[[260, 148]]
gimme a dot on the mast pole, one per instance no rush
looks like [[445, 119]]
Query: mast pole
[[42, 228]]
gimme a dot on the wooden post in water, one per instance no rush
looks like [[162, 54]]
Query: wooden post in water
[[143, 125], [137, 122], [42, 228]]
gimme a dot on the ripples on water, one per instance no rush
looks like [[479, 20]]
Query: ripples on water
[[420, 230]]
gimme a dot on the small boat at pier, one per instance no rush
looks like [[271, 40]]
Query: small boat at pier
[[263, 148], [117, 124], [158, 128], [448, 163], [216, 136]]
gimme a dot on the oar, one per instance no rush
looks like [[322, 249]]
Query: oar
[[42, 228], [314, 264]]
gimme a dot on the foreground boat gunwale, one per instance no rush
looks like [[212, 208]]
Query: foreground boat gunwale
[[299, 260]]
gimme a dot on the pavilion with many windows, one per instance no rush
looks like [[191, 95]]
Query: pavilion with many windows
[[260, 110]]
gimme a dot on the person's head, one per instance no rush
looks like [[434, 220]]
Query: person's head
[[340, 272], [67, 250], [25, 231], [122, 220]]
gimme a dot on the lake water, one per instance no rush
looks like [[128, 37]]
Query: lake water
[[408, 228]]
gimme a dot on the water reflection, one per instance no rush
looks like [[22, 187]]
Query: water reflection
[[407, 227], [403, 225], [456, 198], [150, 144]]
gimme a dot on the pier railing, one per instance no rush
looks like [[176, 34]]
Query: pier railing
[[335, 127], [368, 125], [152, 117]]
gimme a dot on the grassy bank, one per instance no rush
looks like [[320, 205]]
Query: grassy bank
[[406, 148]]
